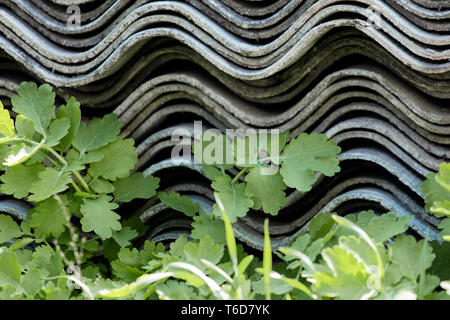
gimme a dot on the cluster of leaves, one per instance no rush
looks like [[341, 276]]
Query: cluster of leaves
[[437, 202], [354, 257], [88, 164], [357, 257], [188, 269], [267, 166], [364, 257], [74, 173]]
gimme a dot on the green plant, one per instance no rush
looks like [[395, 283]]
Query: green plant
[[74, 173], [437, 202], [264, 159], [267, 165]]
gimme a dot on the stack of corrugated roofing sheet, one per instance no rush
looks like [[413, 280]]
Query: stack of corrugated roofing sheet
[[373, 75]]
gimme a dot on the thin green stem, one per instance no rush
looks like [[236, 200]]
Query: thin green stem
[[75, 173], [49, 159], [75, 186], [56, 155], [299, 273], [81, 180], [244, 170], [14, 139]]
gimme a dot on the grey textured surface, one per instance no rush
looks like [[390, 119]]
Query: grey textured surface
[[308, 66]]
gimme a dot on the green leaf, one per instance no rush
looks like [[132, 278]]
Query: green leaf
[[361, 249], [91, 272], [4, 151], [119, 159], [124, 236], [20, 153], [266, 190], [57, 130], [411, 256], [99, 217], [19, 179], [430, 283], [205, 225], [177, 247], [440, 264], [307, 155], [100, 185], [304, 245], [48, 219], [24, 127], [38, 157], [151, 249], [300, 243], [236, 203], [9, 269], [441, 208], [320, 225], [77, 162], [229, 234], [291, 283], [176, 290], [445, 227], [8, 293], [347, 278], [8, 229], [6, 123], [267, 260], [97, 133], [35, 104], [443, 176], [51, 181], [42, 255], [32, 281], [130, 261], [179, 203], [277, 285], [47, 260], [135, 223], [56, 293], [205, 249], [20, 243], [72, 112], [211, 172], [383, 227], [433, 192], [135, 187]]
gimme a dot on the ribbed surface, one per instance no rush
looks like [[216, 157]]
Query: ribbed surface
[[381, 91]]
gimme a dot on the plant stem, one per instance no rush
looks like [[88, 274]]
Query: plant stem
[[75, 186], [54, 153], [81, 180], [49, 159], [239, 175], [64, 162]]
